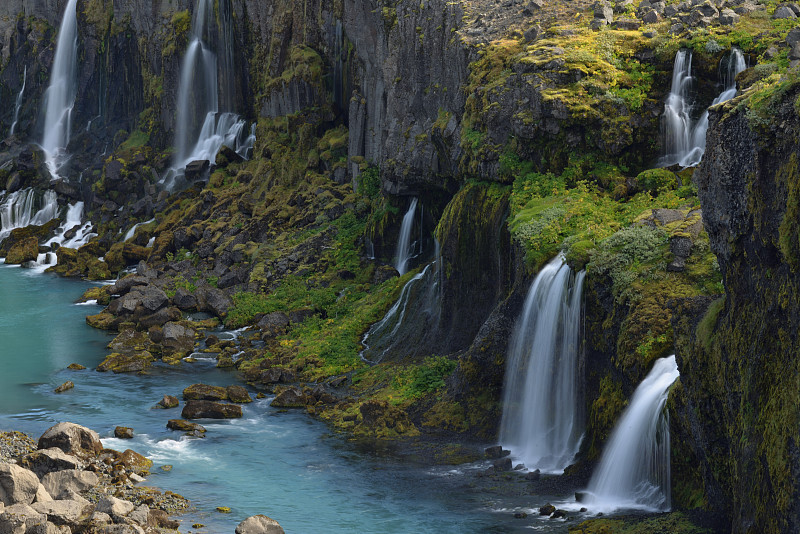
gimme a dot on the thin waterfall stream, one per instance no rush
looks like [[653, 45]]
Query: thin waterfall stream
[[18, 102], [405, 248], [60, 95], [542, 421]]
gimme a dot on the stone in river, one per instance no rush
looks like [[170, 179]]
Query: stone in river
[[205, 392], [76, 367], [168, 402], [238, 394], [123, 432], [64, 387], [259, 524], [201, 409]]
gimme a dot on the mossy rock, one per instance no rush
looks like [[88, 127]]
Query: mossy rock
[[23, 251], [102, 321], [657, 180], [238, 394], [205, 392], [126, 363], [381, 420]]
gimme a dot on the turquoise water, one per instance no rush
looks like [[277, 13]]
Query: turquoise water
[[280, 463]]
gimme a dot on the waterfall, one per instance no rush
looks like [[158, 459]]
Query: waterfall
[[72, 233], [542, 421], [18, 103], [635, 467], [417, 308], [132, 231], [685, 141], [201, 128], [60, 95], [24, 208], [405, 249], [729, 67]]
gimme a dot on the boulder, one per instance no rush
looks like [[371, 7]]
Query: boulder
[[61, 483], [42, 495], [728, 17], [197, 170], [168, 402], [274, 324], [547, 509], [784, 12], [46, 461], [205, 392], [238, 394], [126, 363], [17, 484], [123, 432], [185, 426], [153, 299], [259, 524], [23, 251], [119, 529], [201, 409], [134, 462], [64, 387], [214, 300], [178, 338], [72, 439], [68, 513], [22, 519], [184, 300], [114, 507], [503, 464], [291, 397]]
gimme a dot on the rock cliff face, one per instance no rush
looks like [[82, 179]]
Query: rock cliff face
[[739, 365]]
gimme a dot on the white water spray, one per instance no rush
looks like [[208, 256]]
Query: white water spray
[[24, 208], [60, 95], [634, 472], [18, 103], [542, 423], [405, 249]]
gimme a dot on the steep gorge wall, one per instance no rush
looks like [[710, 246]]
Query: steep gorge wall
[[740, 370]]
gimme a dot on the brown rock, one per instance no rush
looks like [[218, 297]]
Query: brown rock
[[123, 432], [202, 409], [238, 394], [64, 387], [205, 392]]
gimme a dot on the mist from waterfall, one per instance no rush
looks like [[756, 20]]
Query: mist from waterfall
[[60, 95], [542, 421], [634, 471]]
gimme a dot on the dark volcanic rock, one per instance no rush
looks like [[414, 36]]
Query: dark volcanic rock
[[200, 409]]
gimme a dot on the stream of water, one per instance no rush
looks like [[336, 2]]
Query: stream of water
[[277, 462]]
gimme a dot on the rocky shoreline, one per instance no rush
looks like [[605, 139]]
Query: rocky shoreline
[[67, 482]]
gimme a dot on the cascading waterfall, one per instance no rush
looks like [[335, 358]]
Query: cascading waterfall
[[60, 95], [542, 422], [405, 248], [730, 66], [23, 208], [634, 471], [18, 103], [201, 129], [685, 141], [401, 324], [130, 233]]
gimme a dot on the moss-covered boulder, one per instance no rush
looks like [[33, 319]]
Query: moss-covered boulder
[[136, 362], [238, 394], [22, 251], [205, 392]]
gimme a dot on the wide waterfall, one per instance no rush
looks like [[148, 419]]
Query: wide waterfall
[[18, 103], [634, 471], [60, 95], [406, 323], [685, 140], [25, 207], [542, 421], [405, 248], [201, 127]]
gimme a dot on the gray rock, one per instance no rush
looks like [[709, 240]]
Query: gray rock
[[46, 461], [153, 299], [22, 519], [533, 33], [627, 24], [622, 6], [178, 337], [184, 300], [274, 324], [728, 17], [120, 529], [259, 524], [42, 495], [66, 513], [72, 439], [200, 409], [793, 37], [114, 507], [214, 300], [706, 9], [58, 483], [17, 484], [603, 11], [140, 514], [651, 17], [784, 12]]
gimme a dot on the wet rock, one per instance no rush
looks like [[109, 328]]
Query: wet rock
[[238, 394], [75, 367], [291, 397], [197, 171], [123, 432], [64, 387], [533, 475], [23, 251], [275, 375], [214, 300], [168, 401], [503, 464], [17, 484], [201, 409], [177, 338], [46, 461], [160, 519], [184, 426], [60, 483], [496, 451], [259, 524], [205, 392], [547, 509], [520, 515], [72, 439], [126, 363], [161, 317], [558, 514], [133, 462]]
